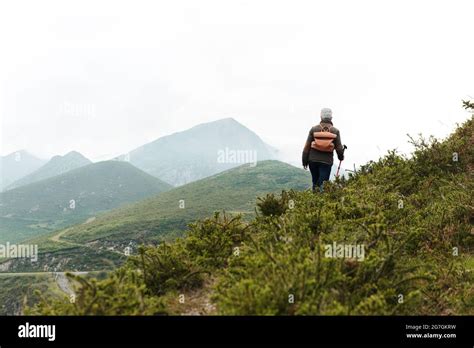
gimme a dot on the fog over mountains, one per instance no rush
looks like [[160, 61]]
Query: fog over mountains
[[56, 166], [200, 151], [41, 196], [177, 159], [17, 165]]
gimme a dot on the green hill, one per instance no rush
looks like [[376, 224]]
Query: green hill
[[200, 151], [56, 166], [234, 191], [164, 216], [396, 237], [72, 197]]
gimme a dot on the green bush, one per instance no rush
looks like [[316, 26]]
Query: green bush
[[121, 293], [273, 206], [183, 264], [410, 213]]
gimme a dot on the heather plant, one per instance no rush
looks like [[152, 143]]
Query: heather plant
[[183, 264], [271, 205], [121, 293], [411, 214]]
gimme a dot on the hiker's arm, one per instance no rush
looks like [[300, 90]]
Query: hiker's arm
[[307, 147], [339, 148]]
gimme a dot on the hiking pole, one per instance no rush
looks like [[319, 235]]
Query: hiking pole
[[337, 173]]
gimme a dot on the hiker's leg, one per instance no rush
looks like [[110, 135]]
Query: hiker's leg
[[314, 169], [324, 173]]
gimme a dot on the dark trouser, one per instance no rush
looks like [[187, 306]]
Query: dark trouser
[[319, 172]]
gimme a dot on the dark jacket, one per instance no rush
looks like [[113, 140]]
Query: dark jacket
[[313, 155]]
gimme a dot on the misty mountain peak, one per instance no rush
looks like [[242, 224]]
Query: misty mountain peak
[[74, 154], [16, 165], [23, 153], [196, 153], [55, 166], [226, 122]]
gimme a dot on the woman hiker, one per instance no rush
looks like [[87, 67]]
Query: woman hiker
[[322, 140]]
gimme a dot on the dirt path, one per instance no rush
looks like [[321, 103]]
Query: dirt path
[[57, 239], [198, 302], [63, 283]]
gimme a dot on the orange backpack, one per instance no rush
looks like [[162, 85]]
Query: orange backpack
[[323, 140]]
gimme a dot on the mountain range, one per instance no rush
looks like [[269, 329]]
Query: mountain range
[[55, 166], [17, 165], [220, 165]]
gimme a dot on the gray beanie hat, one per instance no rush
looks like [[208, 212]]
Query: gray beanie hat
[[326, 114]]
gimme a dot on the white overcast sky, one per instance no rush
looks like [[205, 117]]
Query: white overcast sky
[[103, 77]]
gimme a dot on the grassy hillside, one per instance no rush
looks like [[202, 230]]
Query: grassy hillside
[[56, 166], [72, 197], [413, 217], [233, 191], [89, 246]]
